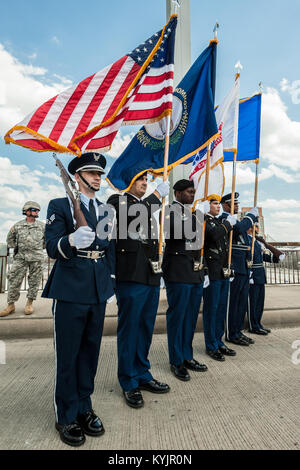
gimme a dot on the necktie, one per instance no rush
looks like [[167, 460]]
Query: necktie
[[92, 211]]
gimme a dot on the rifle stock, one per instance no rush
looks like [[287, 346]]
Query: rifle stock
[[72, 192]]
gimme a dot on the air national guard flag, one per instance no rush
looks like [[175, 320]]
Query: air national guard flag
[[248, 130], [136, 89], [193, 126]]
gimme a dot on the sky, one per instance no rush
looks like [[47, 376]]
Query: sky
[[45, 47]]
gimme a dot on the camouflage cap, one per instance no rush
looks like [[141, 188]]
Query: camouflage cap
[[29, 205]]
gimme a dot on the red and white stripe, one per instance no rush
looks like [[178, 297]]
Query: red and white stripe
[[82, 108]]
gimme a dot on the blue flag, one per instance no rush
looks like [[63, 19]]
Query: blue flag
[[248, 130], [193, 126]]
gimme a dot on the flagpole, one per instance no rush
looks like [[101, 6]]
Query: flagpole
[[165, 176], [227, 272], [255, 204]]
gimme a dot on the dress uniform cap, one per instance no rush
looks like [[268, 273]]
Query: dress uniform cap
[[87, 161], [227, 198], [181, 185]]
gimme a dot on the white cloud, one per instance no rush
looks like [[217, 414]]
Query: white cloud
[[292, 88], [287, 215], [21, 89], [280, 204], [119, 144], [32, 56], [55, 40], [280, 140]]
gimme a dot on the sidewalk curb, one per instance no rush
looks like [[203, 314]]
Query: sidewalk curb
[[42, 327]]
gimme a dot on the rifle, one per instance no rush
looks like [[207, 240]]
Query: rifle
[[73, 193]]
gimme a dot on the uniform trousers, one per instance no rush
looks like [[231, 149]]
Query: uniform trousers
[[256, 304], [215, 298], [16, 275], [237, 306], [184, 304], [77, 338], [137, 309]]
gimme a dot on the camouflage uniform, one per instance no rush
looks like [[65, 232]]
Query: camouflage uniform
[[29, 242]]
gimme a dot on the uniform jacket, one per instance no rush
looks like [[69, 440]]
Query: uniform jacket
[[135, 246], [28, 240], [180, 254], [259, 256], [241, 250], [216, 246], [75, 279]]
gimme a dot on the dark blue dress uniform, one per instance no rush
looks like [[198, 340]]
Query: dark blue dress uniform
[[216, 294], [137, 290], [80, 287], [184, 285], [239, 287], [257, 288]]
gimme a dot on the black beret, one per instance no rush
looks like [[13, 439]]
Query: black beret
[[87, 161], [227, 198], [181, 185], [142, 175]]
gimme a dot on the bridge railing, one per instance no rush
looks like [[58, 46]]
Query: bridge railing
[[288, 270], [285, 272]]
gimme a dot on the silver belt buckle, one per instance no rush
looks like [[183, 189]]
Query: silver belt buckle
[[226, 272], [198, 266], [155, 266], [94, 254]]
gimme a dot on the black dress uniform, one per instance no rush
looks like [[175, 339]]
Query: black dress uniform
[[239, 287], [184, 284], [257, 286], [80, 286], [137, 290], [216, 294]]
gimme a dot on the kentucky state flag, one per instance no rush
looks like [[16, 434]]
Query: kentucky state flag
[[193, 126]]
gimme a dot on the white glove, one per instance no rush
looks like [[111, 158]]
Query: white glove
[[206, 207], [163, 188], [251, 281], [281, 257], [82, 237], [254, 211], [206, 282], [231, 219]]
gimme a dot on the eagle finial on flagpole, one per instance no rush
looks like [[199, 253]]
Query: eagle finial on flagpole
[[261, 87], [215, 30], [176, 5]]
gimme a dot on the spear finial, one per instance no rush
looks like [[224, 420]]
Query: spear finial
[[215, 30], [176, 5]]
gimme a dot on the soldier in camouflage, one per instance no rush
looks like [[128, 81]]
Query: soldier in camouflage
[[27, 237]]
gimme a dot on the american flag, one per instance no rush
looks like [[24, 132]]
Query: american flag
[[137, 89]]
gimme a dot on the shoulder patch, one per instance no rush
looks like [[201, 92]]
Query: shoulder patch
[[50, 220]]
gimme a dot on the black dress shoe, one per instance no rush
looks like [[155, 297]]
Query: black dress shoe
[[195, 365], [91, 424], [134, 398], [259, 331], [71, 434], [226, 351], [246, 338], [155, 386], [180, 372], [240, 341], [216, 355], [266, 329]]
